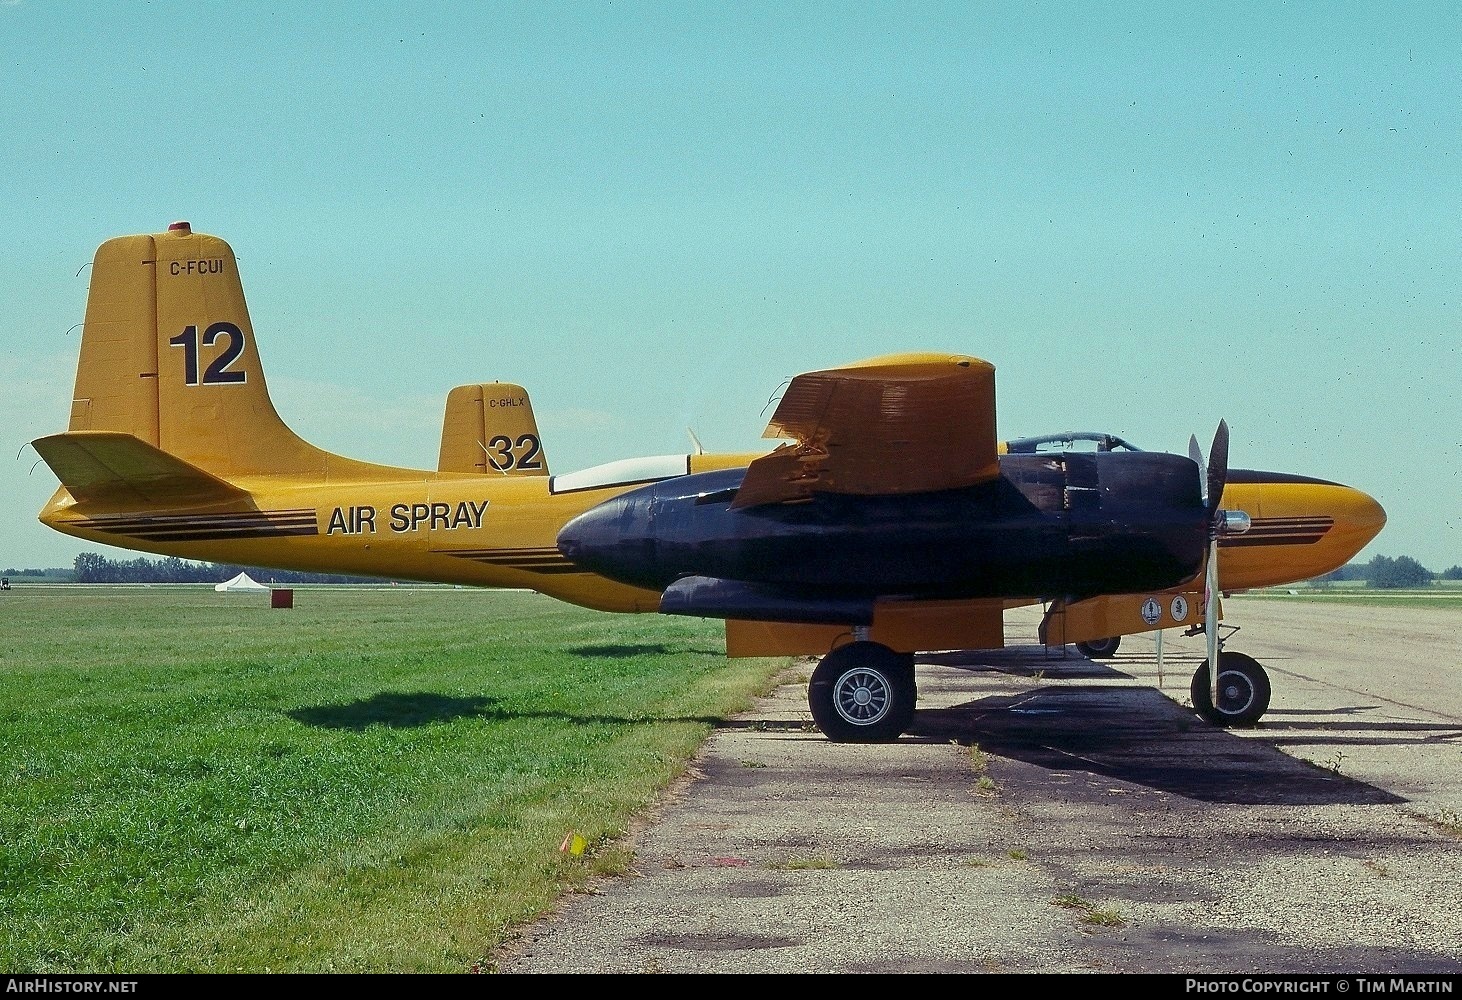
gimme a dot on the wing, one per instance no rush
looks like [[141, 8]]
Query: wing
[[902, 423]]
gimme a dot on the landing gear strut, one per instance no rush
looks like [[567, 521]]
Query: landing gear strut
[[863, 692]]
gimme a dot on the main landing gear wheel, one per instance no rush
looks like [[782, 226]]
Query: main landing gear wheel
[[1099, 649], [863, 692], [1243, 691]]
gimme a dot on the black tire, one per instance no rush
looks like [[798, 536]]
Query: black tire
[[863, 692], [1100, 649], [1243, 691]]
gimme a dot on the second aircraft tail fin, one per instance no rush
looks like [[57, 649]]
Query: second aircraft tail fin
[[489, 427]]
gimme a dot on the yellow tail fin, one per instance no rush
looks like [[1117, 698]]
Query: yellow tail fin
[[168, 356]]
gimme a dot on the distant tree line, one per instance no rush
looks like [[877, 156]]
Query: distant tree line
[[92, 567], [1388, 573]]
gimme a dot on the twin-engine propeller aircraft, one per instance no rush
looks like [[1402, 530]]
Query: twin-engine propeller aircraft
[[891, 521]]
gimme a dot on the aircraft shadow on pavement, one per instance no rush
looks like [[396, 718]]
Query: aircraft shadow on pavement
[[1344, 734], [1137, 735]]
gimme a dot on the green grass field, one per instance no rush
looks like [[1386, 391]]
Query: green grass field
[[374, 780]]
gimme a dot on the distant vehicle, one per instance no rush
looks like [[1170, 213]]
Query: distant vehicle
[[891, 521]]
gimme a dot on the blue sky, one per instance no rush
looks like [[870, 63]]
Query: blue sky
[[651, 215]]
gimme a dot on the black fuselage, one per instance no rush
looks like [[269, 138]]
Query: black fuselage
[[1055, 525]]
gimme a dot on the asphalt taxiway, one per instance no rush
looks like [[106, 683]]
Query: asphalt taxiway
[[1049, 813]]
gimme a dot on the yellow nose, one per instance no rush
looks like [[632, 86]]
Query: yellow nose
[[1358, 519]]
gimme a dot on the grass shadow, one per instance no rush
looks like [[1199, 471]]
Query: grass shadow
[[623, 650], [399, 710]]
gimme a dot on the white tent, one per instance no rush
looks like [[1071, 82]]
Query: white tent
[[242, 582]]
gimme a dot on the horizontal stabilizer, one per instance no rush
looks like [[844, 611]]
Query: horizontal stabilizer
[[116, 468]]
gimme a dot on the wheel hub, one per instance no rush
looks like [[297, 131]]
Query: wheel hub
[[1234, 694], [862, 696]]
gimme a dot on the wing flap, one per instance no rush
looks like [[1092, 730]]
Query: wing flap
[[116, 468], [906, 626], [904, 423]]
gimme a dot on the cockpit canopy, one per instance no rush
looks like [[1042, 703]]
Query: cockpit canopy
[[1067, 441]]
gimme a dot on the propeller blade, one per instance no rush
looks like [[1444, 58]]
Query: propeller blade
[[1196, 454], [1210, 620], [1217, 467], [1213, 496]]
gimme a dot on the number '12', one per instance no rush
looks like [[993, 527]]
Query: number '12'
[[218, 372]]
